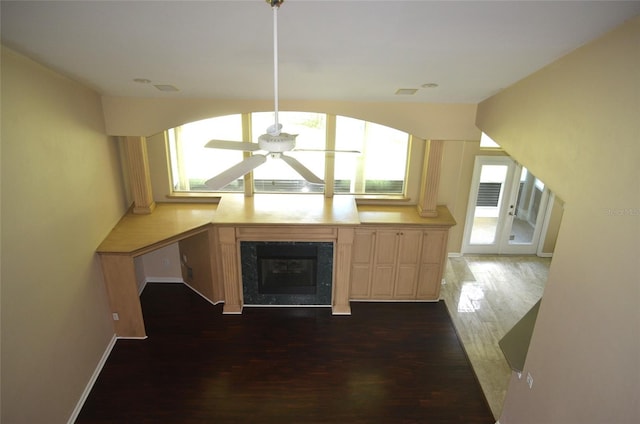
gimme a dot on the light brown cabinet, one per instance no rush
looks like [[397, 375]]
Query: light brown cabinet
[[397, 263], [380, 252], [433, 260], [361, 260]]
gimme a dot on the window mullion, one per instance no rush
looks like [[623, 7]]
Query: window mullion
[[330, 158], [183, 180], [248, 137]]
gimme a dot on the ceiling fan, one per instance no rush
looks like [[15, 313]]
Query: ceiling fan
[[274, 142]]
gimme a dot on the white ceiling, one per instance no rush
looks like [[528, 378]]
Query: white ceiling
[[329, 50]]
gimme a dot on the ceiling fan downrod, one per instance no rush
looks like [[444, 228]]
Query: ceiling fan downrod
[[275, 5]]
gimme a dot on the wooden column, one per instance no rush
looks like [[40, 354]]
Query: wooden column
[[120, 279], [139, 178], [427, 204], [342, 271], [232, 278]]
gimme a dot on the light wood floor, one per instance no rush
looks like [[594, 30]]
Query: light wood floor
[[486, 296]]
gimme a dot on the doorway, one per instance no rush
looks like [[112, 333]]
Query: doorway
[[507, 206]]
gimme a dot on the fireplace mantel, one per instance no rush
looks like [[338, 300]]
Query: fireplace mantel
[[286, 209]]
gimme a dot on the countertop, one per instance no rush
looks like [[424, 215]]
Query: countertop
[[407, 215], [136, 234], [287, 209]]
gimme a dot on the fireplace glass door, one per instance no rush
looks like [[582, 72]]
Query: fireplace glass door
[[286, 273], [287, 269]]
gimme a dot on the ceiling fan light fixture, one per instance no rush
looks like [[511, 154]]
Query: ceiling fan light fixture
[[282, 142]]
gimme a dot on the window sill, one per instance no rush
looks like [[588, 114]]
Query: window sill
[[361, 199], [381, 199], [212, 197]]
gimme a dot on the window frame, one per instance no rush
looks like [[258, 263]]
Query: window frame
[[412, 170]]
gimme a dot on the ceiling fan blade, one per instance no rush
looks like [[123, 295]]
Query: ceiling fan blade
[[233, 145], [302, 170], [327, 150], [235, 172]]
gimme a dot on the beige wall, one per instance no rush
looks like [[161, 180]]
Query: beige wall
[[575, 125], [147, 116], [553, 226], [61, 194], [163, 265]]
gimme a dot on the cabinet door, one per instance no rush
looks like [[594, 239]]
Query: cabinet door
[[434, 247], [361, 264], [408, 263], [385, 257], [429, 284]]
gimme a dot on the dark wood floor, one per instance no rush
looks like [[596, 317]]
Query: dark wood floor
[[386, 363]]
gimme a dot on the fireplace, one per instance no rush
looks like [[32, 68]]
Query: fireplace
[[286, 273], [287, 269]]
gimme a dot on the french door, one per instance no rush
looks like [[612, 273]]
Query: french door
[[507, 206]]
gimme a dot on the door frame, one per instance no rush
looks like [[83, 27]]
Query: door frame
[[508, 198], [504, 245]]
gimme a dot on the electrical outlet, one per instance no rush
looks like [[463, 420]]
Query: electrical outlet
[[529, 380], [184, 258], [166, 262], [116, 317]]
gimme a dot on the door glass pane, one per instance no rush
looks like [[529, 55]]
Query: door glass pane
[[526, 209], [488, 204]]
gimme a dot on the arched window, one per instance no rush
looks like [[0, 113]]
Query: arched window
[[378, 168]]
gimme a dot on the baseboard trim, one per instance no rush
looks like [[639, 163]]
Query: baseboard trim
[[173, 280], [201, 295], [392, 301], [161, 280], [454, 255], [92, 380], [287, 306]]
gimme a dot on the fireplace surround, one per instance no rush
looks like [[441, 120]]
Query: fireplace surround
[[280, 273]]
